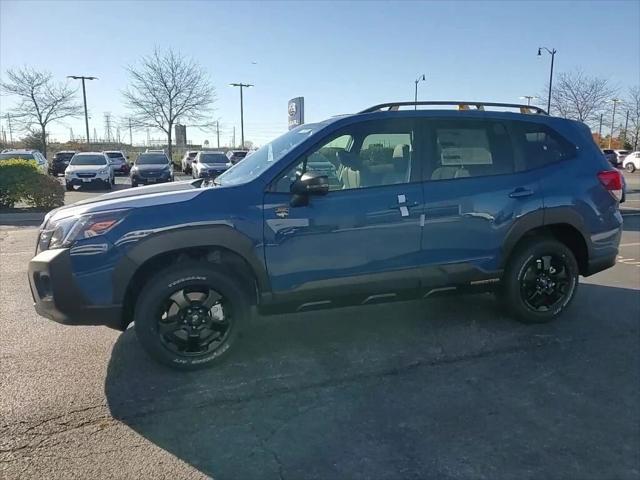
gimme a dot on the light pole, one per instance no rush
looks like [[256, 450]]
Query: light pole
[[613, 119], [528, 98], [421, 78], [84, 96], [241, 85], [551, 52]]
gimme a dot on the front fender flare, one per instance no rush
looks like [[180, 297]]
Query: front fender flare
[[155, 244]]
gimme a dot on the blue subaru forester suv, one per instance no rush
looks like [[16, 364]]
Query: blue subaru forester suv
[[384, 205]]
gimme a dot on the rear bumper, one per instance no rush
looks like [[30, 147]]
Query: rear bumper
[[603, 250], [57, 297]]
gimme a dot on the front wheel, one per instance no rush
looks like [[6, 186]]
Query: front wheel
[[540, 280], [190, 316], [630, 167]]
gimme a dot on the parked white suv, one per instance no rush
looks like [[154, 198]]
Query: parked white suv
[[89, 168], [209, 164], [631, 162]]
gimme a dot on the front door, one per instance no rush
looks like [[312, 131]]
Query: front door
[[360, 242]]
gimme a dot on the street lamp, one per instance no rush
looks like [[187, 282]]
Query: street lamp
[[528, 98], [613, 119], [84, 96], [551, 52], [421, 78], [241, 85]]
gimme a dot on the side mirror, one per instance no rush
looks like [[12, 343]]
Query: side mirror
[[311, 183]]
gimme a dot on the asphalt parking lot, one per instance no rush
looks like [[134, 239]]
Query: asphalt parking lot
[[449, 388]]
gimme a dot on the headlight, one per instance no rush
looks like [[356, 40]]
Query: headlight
[[104, 171], [64, 232]]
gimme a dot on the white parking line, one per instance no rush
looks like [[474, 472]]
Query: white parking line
[[634, 244]]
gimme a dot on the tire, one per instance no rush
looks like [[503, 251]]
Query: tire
[[156, 296], [630, 167], [540, 269], [133, 184], [69, 187], [108, 185]]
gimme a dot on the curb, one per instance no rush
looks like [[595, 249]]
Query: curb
[[30, 218]]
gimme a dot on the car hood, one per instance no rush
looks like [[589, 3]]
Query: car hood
[[218, 166], [151, 167], [173, 192], [85, 168]]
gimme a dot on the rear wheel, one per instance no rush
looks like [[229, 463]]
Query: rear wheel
[[630, 167], [190, 316], [540, 280], [69, 187]]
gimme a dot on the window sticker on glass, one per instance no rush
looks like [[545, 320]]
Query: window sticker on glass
[[270, 154]]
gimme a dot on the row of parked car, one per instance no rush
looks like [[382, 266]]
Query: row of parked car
[[210, 163], [630, 161]]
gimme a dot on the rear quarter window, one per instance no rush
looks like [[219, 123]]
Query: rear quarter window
[[541, 145]]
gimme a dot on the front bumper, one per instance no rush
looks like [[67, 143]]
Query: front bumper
[[57, 297], [150, 180], [210, 173], [78, 181]]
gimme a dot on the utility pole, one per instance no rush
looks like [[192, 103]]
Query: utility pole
[[613, 119], [84, 96], [71, 139], [551, 52], [600, 128], [241, 85], [626, 124], [233, 142], [10, 131], [130, 133], [528, 98], [95, 135], [107, 126], [218, 132], [415, 97]]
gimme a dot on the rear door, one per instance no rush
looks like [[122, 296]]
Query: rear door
[[359, 243], [475, 189]]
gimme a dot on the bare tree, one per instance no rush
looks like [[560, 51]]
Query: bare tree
[[633, 105], [580, 97], [42, 101], [166, 87]]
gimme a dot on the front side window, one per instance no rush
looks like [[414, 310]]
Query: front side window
[[469, 148], [372, 154]]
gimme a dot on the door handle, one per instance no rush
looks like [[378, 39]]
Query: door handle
[[521, 192]]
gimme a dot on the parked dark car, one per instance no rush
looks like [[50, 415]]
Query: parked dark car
[[118, 162], [423, 201], [611, 156], [151, 168], [60, 161], [235, 156]]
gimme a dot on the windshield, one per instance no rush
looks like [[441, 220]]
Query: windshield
[[21, 156], [239, 154], [266, 156], [88, 160], [213, 158], [152, 159], [114, 155], [64, 156]]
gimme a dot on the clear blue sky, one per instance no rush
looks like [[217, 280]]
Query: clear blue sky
[[341, 57]]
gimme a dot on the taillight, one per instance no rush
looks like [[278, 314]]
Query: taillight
[[612, 181]]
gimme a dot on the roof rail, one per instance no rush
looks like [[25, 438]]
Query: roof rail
[[462, 105]]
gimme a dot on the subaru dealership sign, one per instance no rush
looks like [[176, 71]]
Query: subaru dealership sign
[[296, 112]]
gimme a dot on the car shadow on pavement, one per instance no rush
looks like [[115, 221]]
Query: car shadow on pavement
[[446, 388]]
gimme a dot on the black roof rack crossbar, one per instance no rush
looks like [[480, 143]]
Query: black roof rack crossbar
[[393, 106]]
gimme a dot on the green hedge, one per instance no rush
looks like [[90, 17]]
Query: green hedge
[[20, 180]]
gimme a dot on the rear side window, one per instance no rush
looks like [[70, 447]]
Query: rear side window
[[470, 148], [541, 145]]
